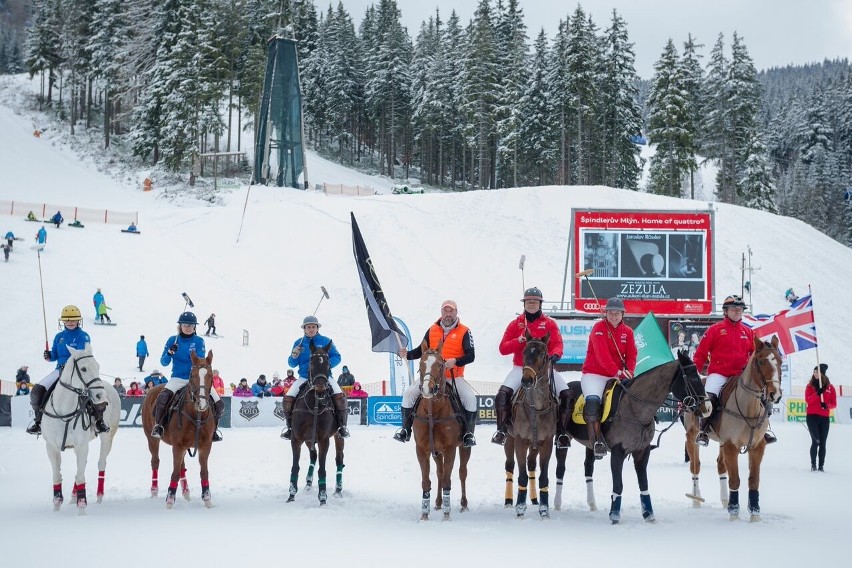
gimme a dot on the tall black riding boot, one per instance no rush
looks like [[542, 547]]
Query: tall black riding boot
[[470, 420], [160, 407], [592, 416], [36, 399], [503, 406], [97, 412], [287, 409], [769, 437], [218, 411], [566, 400], [403, 434], [342, 414], [702, 439]]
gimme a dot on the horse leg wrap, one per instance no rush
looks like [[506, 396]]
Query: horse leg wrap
[[647, 508], [57, 495], [101, 481], [615, 509], [754, 501], [734, 503], [338, 485], [445, 503], [424, 503]]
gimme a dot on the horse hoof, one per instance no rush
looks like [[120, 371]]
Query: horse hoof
[[463, 509], [754, 518], [100, 498], [154, 492], [291, 498], [186, 495], [209, 503], [508, 505], [446, 517], [734, 518], [424, 517], [170, 504], [650, 518], [593, 507], [338, 493]]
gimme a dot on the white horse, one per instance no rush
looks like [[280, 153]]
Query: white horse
[[67, 424]]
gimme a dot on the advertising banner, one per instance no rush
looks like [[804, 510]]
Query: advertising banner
[[384, 410], [653, 260], [575, 338], [485, 413], [686, 335]]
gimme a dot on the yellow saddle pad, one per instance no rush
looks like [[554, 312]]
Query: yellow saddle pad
[[577, 416]]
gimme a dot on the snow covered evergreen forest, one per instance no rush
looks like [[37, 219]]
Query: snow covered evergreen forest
[[458, 105]]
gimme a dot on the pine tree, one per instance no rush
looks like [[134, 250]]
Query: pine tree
[[693, 76], [536, 153], [756, 187]]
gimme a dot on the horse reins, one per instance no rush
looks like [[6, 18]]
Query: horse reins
[[82, 393], [752, 422]]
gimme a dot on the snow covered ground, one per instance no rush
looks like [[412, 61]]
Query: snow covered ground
[[425, 248]]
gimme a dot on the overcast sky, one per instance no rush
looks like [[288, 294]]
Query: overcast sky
[[776, 32]]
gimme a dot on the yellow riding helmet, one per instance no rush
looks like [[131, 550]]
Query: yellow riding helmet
[[71, 313]]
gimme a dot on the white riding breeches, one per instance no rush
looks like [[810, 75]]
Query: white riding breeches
[[50, 379], [593, 385], [714, 383], [175, 384], [513, 379], [297, 384], [466, 394]]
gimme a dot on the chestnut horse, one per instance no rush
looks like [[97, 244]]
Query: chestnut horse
[[631, 429], [67, 424], [534, 414], [189, 429], [739, 426], [313, 423], [437, 431]]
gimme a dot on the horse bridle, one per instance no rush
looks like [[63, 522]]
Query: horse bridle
[[758, 364], [87, 386], [318, 376], [195, 392], [532, 369], [434, 380]]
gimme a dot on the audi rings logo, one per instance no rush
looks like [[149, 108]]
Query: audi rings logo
[[591, 306]]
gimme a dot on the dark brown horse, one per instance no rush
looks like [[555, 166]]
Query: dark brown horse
[[437, 431], [534, 414], [189, 429], [314, 423], [739, 426], [631, 428], [531, 464]]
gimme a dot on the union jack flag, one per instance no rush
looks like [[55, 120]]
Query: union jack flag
[[795, 327]]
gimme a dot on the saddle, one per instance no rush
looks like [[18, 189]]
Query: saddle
[[455, 402], [609, 402], [175, 404], [726, 392]]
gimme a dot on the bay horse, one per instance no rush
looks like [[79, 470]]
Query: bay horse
[[313, 423], [189, 428], [631, 427], [739, 426], [531, 465], [66, 422], [534, 414], [437, 431]]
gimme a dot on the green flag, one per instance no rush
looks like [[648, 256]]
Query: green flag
[[653, 349]]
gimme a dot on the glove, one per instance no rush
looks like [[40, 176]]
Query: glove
[[296, 352], [823, 405], [820, 390], [47, 354], [555, 358], [624, 374], [173, 349]]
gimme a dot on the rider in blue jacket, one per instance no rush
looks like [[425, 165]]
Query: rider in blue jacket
[[176, 353], [72, 335], [300, 357]]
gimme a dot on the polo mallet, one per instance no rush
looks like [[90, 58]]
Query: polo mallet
[[585, 274], [323, 297], [521, 267], [188, 301], [43, 310]]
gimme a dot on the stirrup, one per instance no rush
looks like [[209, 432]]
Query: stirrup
[[563, 441], [498, 438], [217, 435], [286, 433], [34, 429], [769, 437], [402, 435], [469, 441], [343, 431], [600, 449], [702, 439], [157, 431]]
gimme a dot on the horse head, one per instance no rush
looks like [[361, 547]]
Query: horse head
[[432, 378], [535, 360], [81, 374], [764, 368], [200, 380], [688, 388], [319, 367]]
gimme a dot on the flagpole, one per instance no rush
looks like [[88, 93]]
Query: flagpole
[[816, 349]]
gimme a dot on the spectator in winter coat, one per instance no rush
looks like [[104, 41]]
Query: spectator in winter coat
[[57, 219], [97, 300], [23, 388], [141, 351], [261, 388], [157, 377], [218, 383], [277, 387], [150, 383], [288, 382], [346, 379], [41, 236], [820, 398], [119, 388], [134, 390], [22, 374], [357, 392], [243, 389]]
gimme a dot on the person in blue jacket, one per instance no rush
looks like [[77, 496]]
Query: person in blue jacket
[[57, 219], [72, 335], [141, 351], [41, 236], [261, 388], [97, 300], [300, 357], [176, 353], [10, 238]]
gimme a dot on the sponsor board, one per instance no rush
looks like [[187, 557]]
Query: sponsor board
[[485, 412], [575, 339], [384, 410]]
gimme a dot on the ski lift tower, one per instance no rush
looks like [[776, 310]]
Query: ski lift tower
[[279, 151]]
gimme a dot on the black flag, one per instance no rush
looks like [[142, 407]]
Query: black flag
[[385, 333]]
